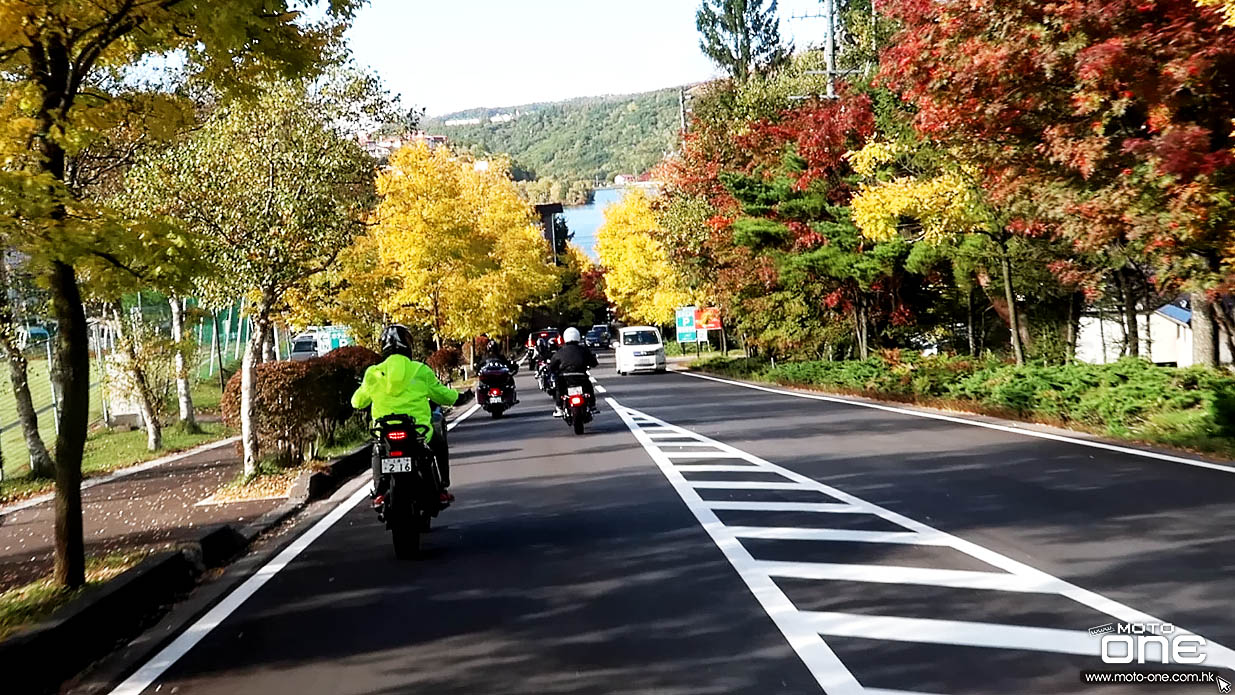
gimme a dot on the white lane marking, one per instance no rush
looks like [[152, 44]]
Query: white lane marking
[[1225, 468], [601, 389], [745, 485], [702, 454], [964, 634], [703, 468], [121, 473], [815, 653], [153, 669], [826, 507], [893, 574], [148, 673], [782, 533], [455, 423]]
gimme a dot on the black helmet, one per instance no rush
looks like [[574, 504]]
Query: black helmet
[[396, 340], [493, 348], [541, 342]]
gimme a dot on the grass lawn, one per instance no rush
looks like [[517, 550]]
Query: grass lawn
[[25, 605], [12, 443]]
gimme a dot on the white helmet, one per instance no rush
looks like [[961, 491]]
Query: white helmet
[[571, 335]]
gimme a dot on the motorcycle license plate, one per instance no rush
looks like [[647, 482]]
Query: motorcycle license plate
[[400, 464], [574, 391]]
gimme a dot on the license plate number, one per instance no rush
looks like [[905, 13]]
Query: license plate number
[[400, 464], [574, 391]]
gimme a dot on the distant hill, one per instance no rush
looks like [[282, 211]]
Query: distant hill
[[570, 141]]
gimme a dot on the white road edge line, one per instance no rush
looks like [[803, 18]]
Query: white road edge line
[[830, 672], [148, 673], [454, 423], [978, 423]]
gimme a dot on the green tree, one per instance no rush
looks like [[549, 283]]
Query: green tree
[[61, 59], [272, 189], [741, 36]]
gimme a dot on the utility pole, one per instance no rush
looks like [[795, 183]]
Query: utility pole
[[682, 109]]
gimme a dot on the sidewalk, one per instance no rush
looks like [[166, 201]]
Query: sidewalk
[[150, 508]]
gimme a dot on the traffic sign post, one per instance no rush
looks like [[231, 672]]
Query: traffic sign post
[[686, 325]]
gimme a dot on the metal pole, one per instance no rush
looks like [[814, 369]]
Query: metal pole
[[829, 9], [55, 398]]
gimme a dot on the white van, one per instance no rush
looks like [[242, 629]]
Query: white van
[[640, 348]]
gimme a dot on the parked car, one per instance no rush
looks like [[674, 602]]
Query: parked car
[[304, 347], [640, 349], [597, 338]]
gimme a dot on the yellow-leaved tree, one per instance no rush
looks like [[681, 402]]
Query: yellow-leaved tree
[[1226, 6], [639, 279], [464, 246]]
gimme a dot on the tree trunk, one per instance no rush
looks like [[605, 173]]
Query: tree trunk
[[1014, 317], [141, 385], [184, 391], [1226, 322], [248, 388], [1132, 331], [19, 374], [72, 379], [969, 323], [218, 344], [1075, 306], [1204, 331]]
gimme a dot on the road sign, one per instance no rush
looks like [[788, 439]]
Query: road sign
[[707, 318], [686, 324], [701, 335]]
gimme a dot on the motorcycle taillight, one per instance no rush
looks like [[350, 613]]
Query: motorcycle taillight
[[495, 392], [396, 453], [396, 435], [576, 400]]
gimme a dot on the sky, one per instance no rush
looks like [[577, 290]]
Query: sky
[[450, 55]]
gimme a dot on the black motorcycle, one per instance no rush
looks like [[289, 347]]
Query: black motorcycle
[[410, 478], [496, 393], [575, 401], [544, 377]]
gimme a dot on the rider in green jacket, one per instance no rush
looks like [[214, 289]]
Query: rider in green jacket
[[401, 385]]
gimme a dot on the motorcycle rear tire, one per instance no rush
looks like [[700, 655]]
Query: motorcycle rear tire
[[405, 534], [577, 420], [495, 413], [424, 521]]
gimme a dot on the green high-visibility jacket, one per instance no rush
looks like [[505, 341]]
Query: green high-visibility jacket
[[403, 386]]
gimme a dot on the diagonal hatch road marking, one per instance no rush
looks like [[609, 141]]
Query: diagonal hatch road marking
[[806, 630]]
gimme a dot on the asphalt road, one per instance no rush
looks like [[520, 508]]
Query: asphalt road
[[707, 538]]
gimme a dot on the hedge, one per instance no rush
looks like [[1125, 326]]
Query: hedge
[[299, 404], [1193, 408]]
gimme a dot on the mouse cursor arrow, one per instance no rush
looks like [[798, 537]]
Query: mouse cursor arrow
[[1224, 686]]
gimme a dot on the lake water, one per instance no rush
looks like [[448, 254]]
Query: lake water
[[584, 220]]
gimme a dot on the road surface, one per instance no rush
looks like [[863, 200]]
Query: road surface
[[704, 537]]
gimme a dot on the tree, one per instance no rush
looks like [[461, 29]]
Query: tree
[[59, 59], [40, 460], [272, 189], [1227, 7], [1107, 124], [639, 279], [466, 249], [741, 36]]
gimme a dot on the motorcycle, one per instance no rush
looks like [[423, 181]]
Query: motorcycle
[[496, 393], [576, 402], [411, 479], [544, 377]]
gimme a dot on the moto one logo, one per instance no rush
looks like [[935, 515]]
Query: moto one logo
[[1148, 643]]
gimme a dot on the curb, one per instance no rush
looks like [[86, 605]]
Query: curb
[[91, 626]]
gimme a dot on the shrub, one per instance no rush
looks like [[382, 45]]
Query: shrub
[[297, 403], [1132, 398], [445, 361]]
